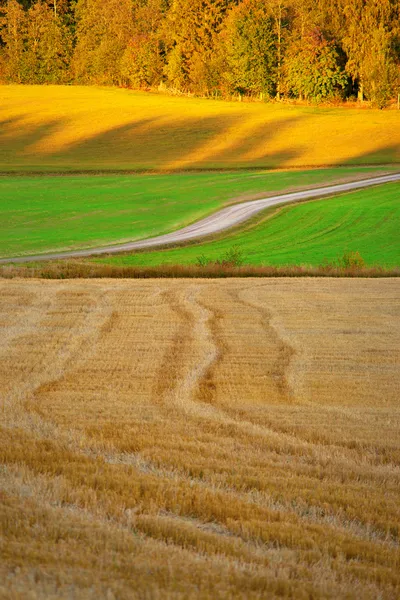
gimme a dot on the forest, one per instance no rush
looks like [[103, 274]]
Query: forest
[[310, 50]]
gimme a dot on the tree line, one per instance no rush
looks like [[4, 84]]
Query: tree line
[[315, 50]]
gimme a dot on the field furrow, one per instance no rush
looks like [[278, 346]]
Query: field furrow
[[200, 438]]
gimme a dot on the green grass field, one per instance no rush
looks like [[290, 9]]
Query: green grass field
[[72, 128], [40, 214], [309, 233]]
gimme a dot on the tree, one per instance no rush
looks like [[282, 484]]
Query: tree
[[192, 28], [26, 3], [312, 69], [250, 50], [253, 47], [141, 63], [103, 31], [49, 46], [280, 11], [143, 60], [370, 27], [38, 44], [378, 72], [13, 25]]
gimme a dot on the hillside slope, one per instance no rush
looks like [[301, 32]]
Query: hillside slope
[[61, 128]]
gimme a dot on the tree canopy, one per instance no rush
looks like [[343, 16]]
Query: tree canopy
[[309, 49]]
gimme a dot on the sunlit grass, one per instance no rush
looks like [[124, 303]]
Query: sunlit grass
[[367, 221], [57, 213], [45, 128]]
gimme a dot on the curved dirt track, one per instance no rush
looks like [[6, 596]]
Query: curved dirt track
[[219, 221]]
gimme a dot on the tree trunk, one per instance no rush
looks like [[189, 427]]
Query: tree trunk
[[361, 93], [279, 49]]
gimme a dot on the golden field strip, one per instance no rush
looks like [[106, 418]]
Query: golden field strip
[[200, 439], [75, 128]]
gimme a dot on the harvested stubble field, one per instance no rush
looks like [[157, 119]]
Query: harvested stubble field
[[200, 439]]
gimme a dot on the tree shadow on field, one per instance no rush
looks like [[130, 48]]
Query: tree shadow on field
[[148, 144], [215, 142], [240, 144], [169, 143], [123, 145], [17, 137], [159, 143], [385, 155], [257, 148]]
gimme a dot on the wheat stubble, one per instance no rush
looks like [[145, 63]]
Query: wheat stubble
[[185, 439]]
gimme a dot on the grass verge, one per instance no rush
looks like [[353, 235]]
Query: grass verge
[[78, 270]]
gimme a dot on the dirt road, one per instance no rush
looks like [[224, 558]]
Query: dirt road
[[215, 223]]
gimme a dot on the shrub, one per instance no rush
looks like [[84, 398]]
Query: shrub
[[233, 257], [202, 261], [351, 260]]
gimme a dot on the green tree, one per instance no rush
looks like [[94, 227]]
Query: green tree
[[312, 69], [26, 3], [250, 52]]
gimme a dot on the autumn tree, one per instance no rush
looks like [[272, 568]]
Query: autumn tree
[[38, 44], [378, 72], [103, 31], [13, 28], [49, 45], [264, 48], [143, 60], [281, 15], [193, 27]]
